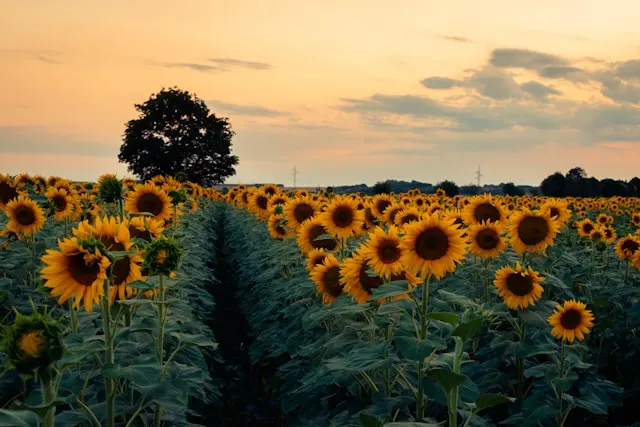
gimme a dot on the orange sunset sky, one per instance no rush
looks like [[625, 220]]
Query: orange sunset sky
[[348, 91]]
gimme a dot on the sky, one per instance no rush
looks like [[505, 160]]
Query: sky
[[348, 92]]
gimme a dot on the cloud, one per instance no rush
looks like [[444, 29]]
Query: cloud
[[495, 83], [524, 58], [456, 39], [619, 90], [559, 71], [46, 59], [229, 62], [245, 109], [539, 90], [203, 68], [628, 70], [45, 56], [439, 82]]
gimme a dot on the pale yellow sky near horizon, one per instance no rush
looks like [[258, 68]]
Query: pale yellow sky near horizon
[[72, 70]]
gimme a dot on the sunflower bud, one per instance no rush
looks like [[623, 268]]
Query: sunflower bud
[[111, 189], [162, 256], [178, 196], [32, 343]]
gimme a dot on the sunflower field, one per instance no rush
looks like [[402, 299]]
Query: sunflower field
[[164, 303]]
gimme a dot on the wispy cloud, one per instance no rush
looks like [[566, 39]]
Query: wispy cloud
[[44, 56], [456, 39], [245, 109], [203, 68], [230, 62]]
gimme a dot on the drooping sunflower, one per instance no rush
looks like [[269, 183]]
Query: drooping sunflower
[[315, 257], [63, 202], [518, 287], [298, 210], [342, 218], [532, 231], [327, 279], [78, 269], [483, 208], [557, 210], [585, 227], [383, 251], [25, 216], [276, 226], [8, 191], [148, 198], [486, 239], [379, 204], [627, 247], [432, 246], [571, 320], [308, 235]]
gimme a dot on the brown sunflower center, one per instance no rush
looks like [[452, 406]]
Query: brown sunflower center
[[121, 270], [369, 283], [81, 271], [302, 212], [571, 319], [135, 233], [270, 191], [25, 215], [432, 244], [262, 202], [331, 281], [111, 244], [587, 227], [486, 212], [406, 219], [533, 230], [602, 220], [554, 212], [608, 233], [317, 260], [381, 205], [317, 231], [630, 245], [596, 235], [487, 239], [342, 217], [151, 203], [280, 230], [60, 202], [388, 251], [520, 284], [7, 192]]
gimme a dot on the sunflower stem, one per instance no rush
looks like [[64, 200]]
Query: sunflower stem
[[420, 406], [520, 360], [563, 355], [452, 404], [49, 395], [160, 342], [487, 279], [121, 209], [626, 272], [108, 356]]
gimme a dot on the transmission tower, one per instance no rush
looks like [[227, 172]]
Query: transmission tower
[[295, 177], [478, 176]]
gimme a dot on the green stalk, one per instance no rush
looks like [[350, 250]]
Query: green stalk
[[121, 209], [452, 404], [487, 279], [49, 395], [423, 334], [563, 355], [108, 357], [162, 314], [385, 373], [74, 317]]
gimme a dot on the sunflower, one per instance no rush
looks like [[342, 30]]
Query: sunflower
[[518, 287], [610, 235], [8, 191], [483, 208], [392, 212], [379, 204], [270, 189], [486, 239], [585, 227], [62, 201], [627, 247], [433, 208], [25, 216], [298, 210], [327, 279], [604, 219], [308, 234], [315, 257], [342, 218], [557, 210], [407, 215], [276, 227], [455, 215], [597, 234], [78, 269], [383, 252], [571, 320], [532, 231], [144, 228], [635, 219], [148, 198], [432, 245], [360, 285]]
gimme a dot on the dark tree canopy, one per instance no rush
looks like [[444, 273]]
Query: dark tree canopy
[[176, 135], [576, 183], [553, 185], [510, 189], [382, 187], [449, 187]]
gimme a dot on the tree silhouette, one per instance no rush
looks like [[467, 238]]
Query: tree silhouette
[[449, 187], [176, 135], [382, 187], [553, 185], [510, 189]]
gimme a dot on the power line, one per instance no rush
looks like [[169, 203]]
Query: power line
[[478, 176], [295, 176]]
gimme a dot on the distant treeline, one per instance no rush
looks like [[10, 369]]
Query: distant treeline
[[575, 183]]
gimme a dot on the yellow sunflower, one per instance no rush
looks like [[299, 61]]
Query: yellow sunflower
[[379, 204], [342, 218], [407, 215], [585, 227], [25, 216], [610, 235], [432, 246], [604, 219], [8, 191], [392, 212], [483, 208], [532, 231], [635, 219], [597, 234], [557, 210], [77, 271], [63, 201], [259, 203], [276, 226], [298, 210], [144, 228], [571, 320], [519, 287], [315, 257], [308, 234], [148, 198], [627, 247], [486, 239], [383, 252], [327, 279]]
